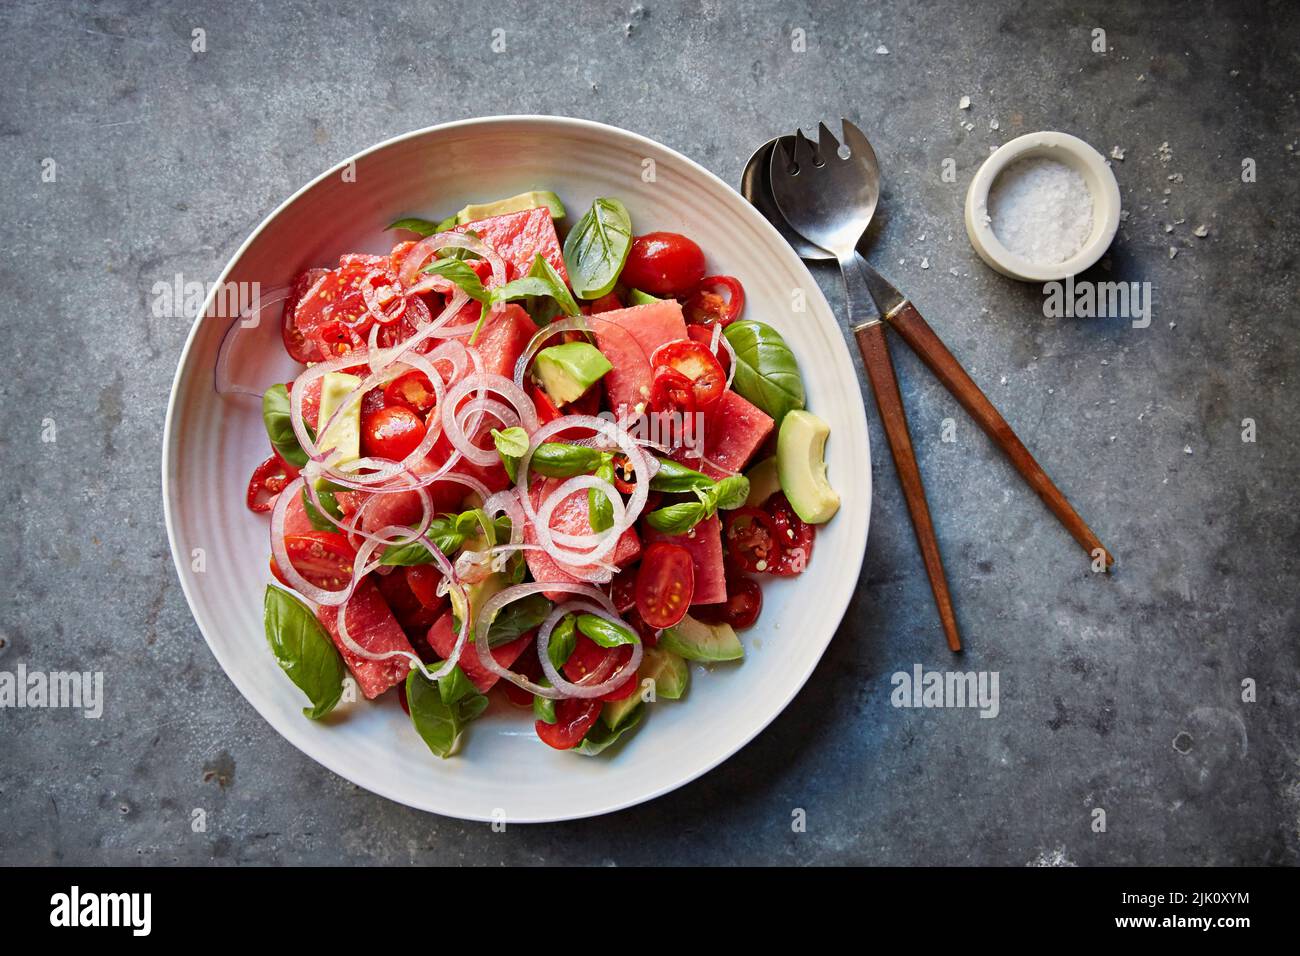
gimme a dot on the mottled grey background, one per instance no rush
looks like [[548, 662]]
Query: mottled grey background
[[1121, 693]]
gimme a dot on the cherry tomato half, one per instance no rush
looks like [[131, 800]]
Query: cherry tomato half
[[300, 316], [413, 390], [696, 363], [753, 539], [392, 432], [707, 306], [324, 558], [796, 537], [704, 335], [269, 479], [740, 610], [423, 580], [663, 264], [606, 303], [573, 718], [665, 584]]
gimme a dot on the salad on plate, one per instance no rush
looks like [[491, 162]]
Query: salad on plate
[[551, 465]]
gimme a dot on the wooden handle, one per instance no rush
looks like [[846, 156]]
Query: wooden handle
[[880, 372], [918, 334]]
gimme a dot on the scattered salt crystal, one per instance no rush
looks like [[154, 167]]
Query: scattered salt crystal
[[1172, 252], [882, 50], [963, 103], [1168, 228], [1175, 178], [1165, 153], [1004, 380], [993, 124], [1187, 449], [1041, 209], [953, 272], [1201, 231], [925, 263], [968, 126], [1117, 153]]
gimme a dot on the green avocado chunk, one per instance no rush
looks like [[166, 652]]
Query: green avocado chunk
[[668, 670], [529, 200], [800, 462], [764, 482], [568, 370], [697, 641]]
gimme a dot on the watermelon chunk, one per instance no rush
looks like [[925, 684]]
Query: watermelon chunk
[[503, 337], [442, 638], [704, 542], [734, 430], [628, 337], [518, 237], [569, 517], [371, 625]]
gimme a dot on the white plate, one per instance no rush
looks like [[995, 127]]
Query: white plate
[[212, 444]]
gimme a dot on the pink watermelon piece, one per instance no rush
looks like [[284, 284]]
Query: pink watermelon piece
[[518, 237], [734, 430], [704, 542], [628, 337], [503, 337], [442, 638], [371, 624], [569, 517]]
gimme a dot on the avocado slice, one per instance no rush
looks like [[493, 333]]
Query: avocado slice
[[345, 433], [535, 199], [764, 482], [480, 592], [568, 370], [697, 641], [615, 713], [637, 297], [801, 465], [668, 670]]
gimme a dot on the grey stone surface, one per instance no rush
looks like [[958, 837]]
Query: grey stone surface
[[1120, 693]]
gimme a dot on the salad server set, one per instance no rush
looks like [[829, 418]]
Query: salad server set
[[821, 197]]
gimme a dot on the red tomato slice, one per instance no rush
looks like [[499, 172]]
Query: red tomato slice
[[269, 479], [392, 432], [423, 580], [796, 537], [324, 558], [606, 303], [753, 539], [622, 590], [707, 307], [587, 658], [573, 719], [698, 365], [300, 316], [741, 609], [413, 390], [546, 410], [665, 584], [663, 264]]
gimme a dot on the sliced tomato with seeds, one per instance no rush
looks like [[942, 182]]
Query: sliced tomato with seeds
[[695, 363], [665, 584], [302, 313], [412, 389], [718, 300], [392, 432], [324, 558], [741, 609], [796, 537], [269, 479], [753, 539], [589, 658], [573, 718], [622, 590]]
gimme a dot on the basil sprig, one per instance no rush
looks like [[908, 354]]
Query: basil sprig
[[563, 640], [673, 476], [597, 247], [766, 371], [545, 307], [605, 633], [600, 737], [542, 280], [544, 707], [600, 510], [512, 444], [556, 459], [303, 650], [421, 227], [440, 723], [680, 518], [328, 501], [518, 618], [448, 533], [279, 426]]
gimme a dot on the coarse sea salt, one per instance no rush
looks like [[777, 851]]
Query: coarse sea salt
[[1041, 209]]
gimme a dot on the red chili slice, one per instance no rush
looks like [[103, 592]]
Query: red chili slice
[[753, 539], [269, 479], [704, 335], [706, 306], [624, 474], [696, 364]]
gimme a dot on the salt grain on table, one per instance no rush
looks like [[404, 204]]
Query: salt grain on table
[[1041, 209]]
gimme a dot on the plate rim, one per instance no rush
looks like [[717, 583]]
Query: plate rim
[[170, 452]]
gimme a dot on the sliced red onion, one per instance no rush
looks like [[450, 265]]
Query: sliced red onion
[[576, 323], [456, 430], [221, 377], [420, 253]]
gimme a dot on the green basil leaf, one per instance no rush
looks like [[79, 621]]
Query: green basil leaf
[[766, 371], [606, 633], [455, 270], [439, 724], [544, 708], [455, 686], [518, 618], [597, 247], [511, 445], [675, 477], [558, 300], [303, 650], [279, 426], [421, 227], [600, 510], [563, 640], [731, 492], [447, 538], [678, 518], [331, 504], [600, 737], [560, 460]]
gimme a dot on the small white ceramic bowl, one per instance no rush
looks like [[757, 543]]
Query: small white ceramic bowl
[[1063, 148], [212, 442]]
